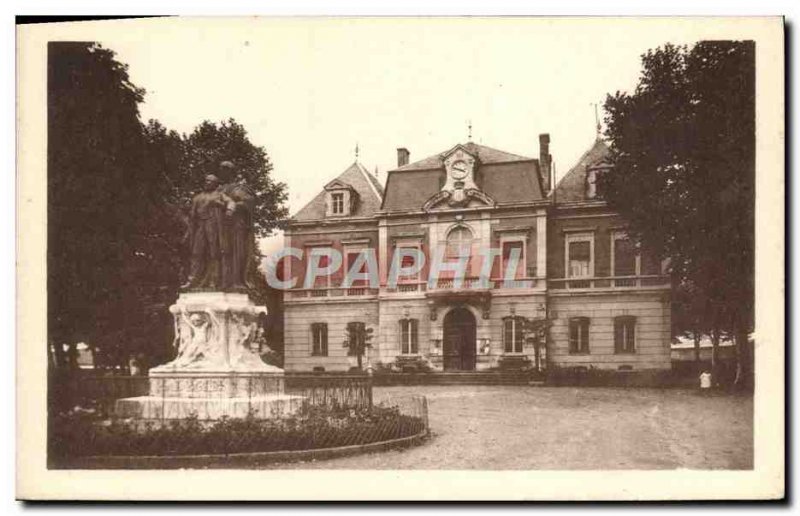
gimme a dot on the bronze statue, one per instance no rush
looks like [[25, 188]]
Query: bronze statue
[[221, 233], [206, 226], [238, 240]]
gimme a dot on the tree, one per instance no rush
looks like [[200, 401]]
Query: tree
[[358, 338], [683, 150], [118, 192], [691, 318], [96, 190], [209, 145]]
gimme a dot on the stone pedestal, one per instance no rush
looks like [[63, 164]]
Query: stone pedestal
[[215, 373]]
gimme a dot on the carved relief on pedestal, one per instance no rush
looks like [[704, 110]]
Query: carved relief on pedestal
[[214, 332]]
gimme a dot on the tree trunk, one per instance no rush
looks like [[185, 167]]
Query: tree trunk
[[359, 358], [742, 355], [697, 364], [714, 357]]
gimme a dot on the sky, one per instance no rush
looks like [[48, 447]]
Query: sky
[[309, 90]]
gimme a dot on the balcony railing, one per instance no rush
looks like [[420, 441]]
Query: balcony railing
[[474, 283], [409, 286], [609, 282], [335, 292]]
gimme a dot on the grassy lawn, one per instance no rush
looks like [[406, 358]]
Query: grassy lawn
[[512, 427]]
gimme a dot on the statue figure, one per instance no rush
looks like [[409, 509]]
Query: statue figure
[[206, 225], [221, 233], [237, 235], [198, 347]]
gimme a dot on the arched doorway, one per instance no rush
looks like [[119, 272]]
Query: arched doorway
[[459, 340]]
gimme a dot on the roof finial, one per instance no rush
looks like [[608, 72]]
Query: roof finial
[[469, 130], [598, 128], [356, 151]]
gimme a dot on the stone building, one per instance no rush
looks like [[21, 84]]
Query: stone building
[[603, 303]]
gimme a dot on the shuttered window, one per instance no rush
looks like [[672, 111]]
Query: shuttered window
[[319, 339], [625, 334], [579, 335], [409, 336]]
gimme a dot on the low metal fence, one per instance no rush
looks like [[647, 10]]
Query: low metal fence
[[93, 416], [206, 396]]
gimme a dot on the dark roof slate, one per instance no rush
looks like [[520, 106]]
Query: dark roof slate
[[485, 154], [505, 177], [572, 187], [367, 186]]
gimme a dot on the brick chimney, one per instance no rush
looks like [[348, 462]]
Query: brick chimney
[[545, 160], [402, 156]]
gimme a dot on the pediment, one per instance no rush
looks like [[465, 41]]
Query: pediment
[[337, 184], [458, 152]]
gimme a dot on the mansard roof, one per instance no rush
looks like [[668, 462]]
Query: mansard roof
[[485, 154], [505, 177], [572, 187], [355, 177]]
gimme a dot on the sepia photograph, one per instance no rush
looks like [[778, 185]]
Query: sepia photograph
[[543, 252]]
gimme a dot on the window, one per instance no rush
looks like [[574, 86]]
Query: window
[[624, 256], [508, 248], [625, 334], [408, 261], [591, 184], [579, 335], [319, 339], [579, 256], [459, 242], [351, 257], [323, 281], [513, 334], [337, 203], [409, 336]]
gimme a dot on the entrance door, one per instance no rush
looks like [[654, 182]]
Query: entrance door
[[459, 340]]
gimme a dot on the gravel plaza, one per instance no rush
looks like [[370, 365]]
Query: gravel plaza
[[513, 427]]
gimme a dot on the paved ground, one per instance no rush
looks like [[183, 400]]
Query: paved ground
[[514, 427]]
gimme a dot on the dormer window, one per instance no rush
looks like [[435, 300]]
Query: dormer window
[[337, 203], [593, 178], [340, 200], [591, 184]]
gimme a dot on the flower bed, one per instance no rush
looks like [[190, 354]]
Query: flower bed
[[79, 435]]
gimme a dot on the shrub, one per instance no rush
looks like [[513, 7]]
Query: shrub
[[77, 435]]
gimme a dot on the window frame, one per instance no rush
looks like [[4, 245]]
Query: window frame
[[319, 349], [517, 336], [409, 244], [450, 257], [523, 263], [591, 183], [409, 336], [328, 277], [583, 346], [354, 249], [627, 323], [623, 235], [578, 237], [337, 198]]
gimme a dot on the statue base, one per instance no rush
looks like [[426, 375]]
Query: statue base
[[161, 408], [216, 373]]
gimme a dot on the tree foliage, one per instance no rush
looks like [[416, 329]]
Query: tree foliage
[[683, 150], [118, 193], [357, 339], [210, 144]]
